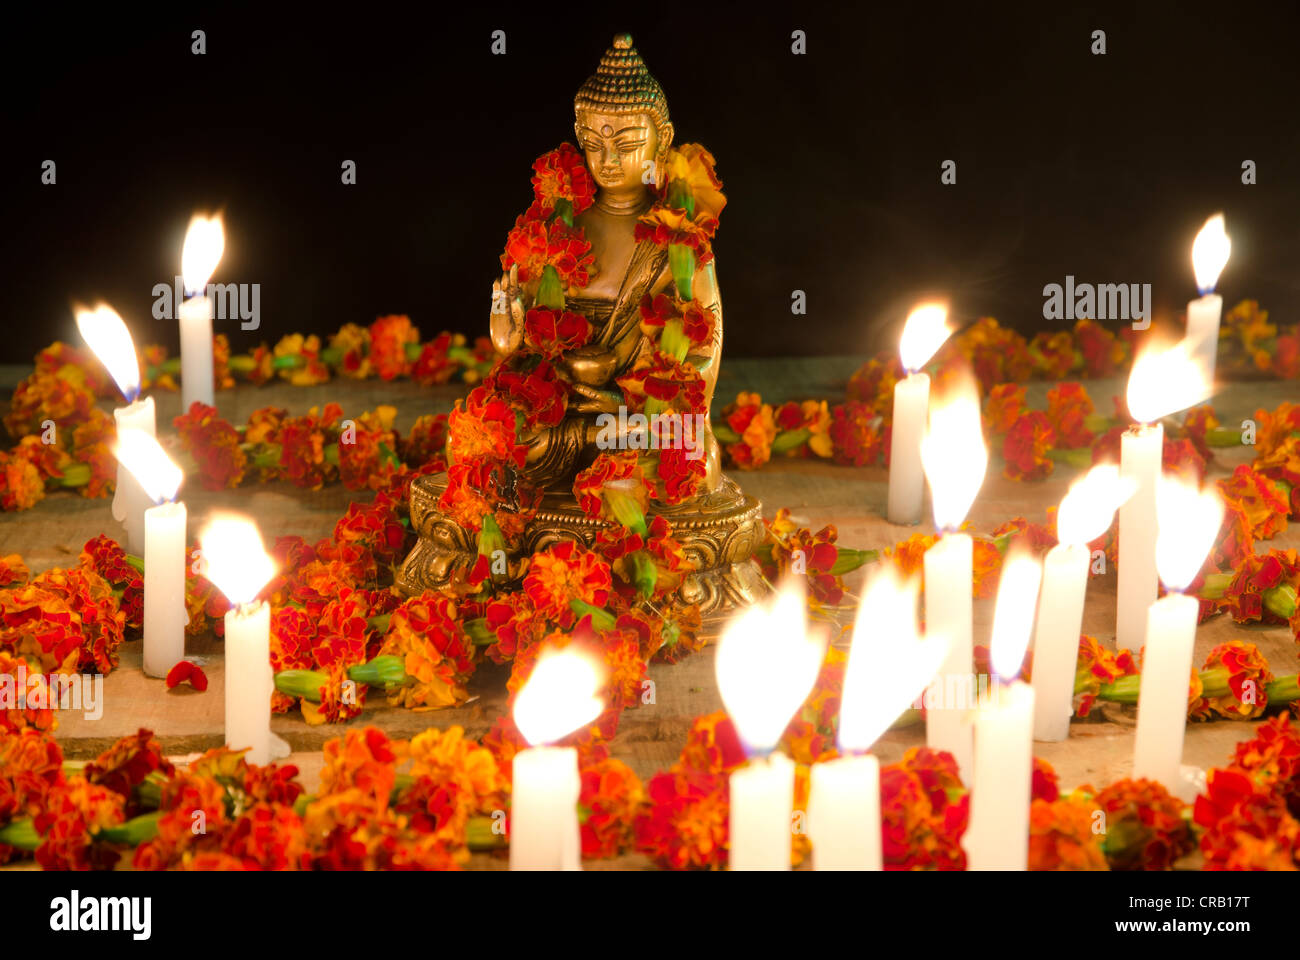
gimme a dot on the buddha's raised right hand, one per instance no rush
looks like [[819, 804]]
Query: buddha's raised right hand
[[506, 321]]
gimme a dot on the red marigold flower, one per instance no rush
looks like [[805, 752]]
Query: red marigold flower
[[214, 445], [1026, 446], [69, 826], [1046, 784], [368, 450], [427, 441], [534, 245], [561, 175], [352, 343], [1053, 354], [924, 811], [553, 333], [1265, 504], [678, 476], [302, 446], [751, 419], [589, 484], [1145, 826], [855, 438], [127, 763], [1097, 665], [1247, 678], [435, 363], [660, 384], [1272, 759], [684, 826], [31, 765], [1061, 836], [539, 394], [186, 671], [1102, 353], [1245, 829]]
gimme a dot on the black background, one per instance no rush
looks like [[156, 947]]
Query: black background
[[1103, 167]]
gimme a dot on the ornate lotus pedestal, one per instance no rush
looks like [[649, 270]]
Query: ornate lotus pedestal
[[719, 533]]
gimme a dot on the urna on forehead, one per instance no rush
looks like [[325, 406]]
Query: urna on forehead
[[622, 84]]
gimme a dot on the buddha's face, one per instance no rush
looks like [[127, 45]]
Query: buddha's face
[[620, 149]]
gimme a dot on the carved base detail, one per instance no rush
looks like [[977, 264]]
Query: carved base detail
[[719, 533]]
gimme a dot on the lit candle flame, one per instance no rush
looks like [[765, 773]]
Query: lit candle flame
[[1163, 382], [236, 560], [1210, 253], [1187, 524], [149, 464], [1013, 614], [110, 341], [561, 694], [1089, 507], [924, 333], [767, 661], [953, 455], [890, 664], [205, 241]]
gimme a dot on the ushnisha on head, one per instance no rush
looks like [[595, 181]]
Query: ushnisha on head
[[622, 120]]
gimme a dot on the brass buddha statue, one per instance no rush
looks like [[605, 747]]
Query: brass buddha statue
[[622, 126], [626, 138]]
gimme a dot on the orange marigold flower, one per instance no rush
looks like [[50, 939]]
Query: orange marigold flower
[[1265, 504], [1068, 406], [302, 446], [352, 343], [304, 352], [924, 812], [1272, 758], [563, 572], [561, 175], [127, 763], [1061, 836], [1097, 665], [21, 486], [438, 657], [1003, 408], [752, 420], [1245, 828], [31, 766], [389, 337], [70, 823], [1053, 354], [553, 333]]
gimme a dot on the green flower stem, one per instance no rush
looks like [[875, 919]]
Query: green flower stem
[[848, 559], [673, 341], [1281, 601], [644, 572], [20, 834], [601, 619], [1214, 683], [788, 440], [681, 261], [477, 630], [171, 366], [1222, 437], [479, 835], [134, 832], [550, 292], [387, 671], [624, 506], [136, 563], [1080, 457], [77, 475], [724, 433], [379, 622], [1098, 423]]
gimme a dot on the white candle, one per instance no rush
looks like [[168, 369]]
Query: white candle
[[762, 799], [546, 782], [205, 241], [140, 457], [949, 577], [129, 498], [955, 461], [924, 332], [197, 372], [235, 559], [1141, 455], [998, 835], [844, 814], [1203, 315], [766, 663], [560, 695], [164, 588], [1189, 522], [1163, 689], [906, 480], [1085, 514], [889, 664], [1209, 256], [249, 681], [1056, 640]]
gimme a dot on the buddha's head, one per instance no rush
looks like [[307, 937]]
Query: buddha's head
[[622, 121]]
